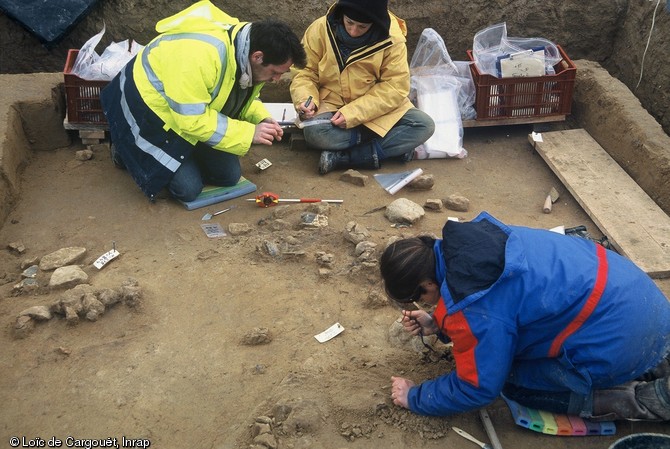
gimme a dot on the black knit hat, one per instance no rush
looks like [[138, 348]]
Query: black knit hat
[[366, 11]]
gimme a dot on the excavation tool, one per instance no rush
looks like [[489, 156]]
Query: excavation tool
[[488, 426], [467, 436], [552, 197], [268, 199], [209, 216]]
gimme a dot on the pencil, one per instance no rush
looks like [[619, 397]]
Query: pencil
[[283, 116]]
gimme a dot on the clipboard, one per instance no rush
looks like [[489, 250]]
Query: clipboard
[[527, 63]]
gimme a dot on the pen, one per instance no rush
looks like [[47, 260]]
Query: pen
[[283, 116]]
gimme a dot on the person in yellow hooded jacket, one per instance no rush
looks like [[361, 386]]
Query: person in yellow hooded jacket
[[184, 110], [355, 87]]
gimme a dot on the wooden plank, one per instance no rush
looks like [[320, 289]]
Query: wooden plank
[[512, 121], [633, 223]]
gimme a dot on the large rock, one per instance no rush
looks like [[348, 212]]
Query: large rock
[[404, 211], [69, 276], [61, 258]]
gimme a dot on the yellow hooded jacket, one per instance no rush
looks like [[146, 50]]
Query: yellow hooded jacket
[[371, 89], [185, 76]]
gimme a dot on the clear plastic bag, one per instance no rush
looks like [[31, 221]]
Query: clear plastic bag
[[492, 43], [431, 57], [444, 90], [91, 66]]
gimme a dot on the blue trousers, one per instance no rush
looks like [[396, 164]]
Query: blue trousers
[[205, 166], [413, 129]]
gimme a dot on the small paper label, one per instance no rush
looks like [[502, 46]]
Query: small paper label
[[263, 164], [332, 332], [537, 137], [213, 230], [105, 258]]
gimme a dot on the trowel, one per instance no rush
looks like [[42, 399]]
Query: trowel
[[209, 216]]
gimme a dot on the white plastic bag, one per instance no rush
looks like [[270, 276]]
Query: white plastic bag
[[437, 96], [432, 58], [91, 66], [443, 90]]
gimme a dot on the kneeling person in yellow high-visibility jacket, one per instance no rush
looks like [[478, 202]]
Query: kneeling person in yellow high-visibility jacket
[[184, 110]]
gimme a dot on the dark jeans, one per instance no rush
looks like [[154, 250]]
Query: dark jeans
[[413, 129], [567, 402], [205, 166]]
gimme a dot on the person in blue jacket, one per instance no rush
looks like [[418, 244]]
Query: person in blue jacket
[[553, 322]]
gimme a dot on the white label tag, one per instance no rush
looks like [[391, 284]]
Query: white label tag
[[213, 230], [537, 137], [263, 164], [105, 258], [332, 332]]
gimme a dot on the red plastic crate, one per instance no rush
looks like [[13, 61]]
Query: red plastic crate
[[82, 96], [539, 96]]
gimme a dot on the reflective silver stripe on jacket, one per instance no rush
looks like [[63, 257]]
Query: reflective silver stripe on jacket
[[194, 108], [161, 156]]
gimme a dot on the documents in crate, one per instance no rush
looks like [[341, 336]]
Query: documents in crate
[[522, 64]]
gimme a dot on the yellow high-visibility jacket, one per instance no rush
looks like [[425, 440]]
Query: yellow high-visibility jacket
[[370, 88], [186, 74]]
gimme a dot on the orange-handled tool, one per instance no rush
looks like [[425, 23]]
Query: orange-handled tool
[[268, 199]]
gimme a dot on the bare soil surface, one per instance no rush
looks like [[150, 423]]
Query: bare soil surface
[[221, 345]]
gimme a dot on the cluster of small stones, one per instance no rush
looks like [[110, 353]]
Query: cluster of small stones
[[75, 304], [61, 264], [261, 432]]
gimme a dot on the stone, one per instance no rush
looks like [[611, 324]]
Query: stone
[[423, 182], [267, 440], [30, 272], [325, 259], [29, 262], [365, 247], [239, 228], [61, 258], [83, 155], [433, 204], [68, 276], [38, 313], [354, 177], [356, 233], [26, 285], [404, 211], [312, 220], [17, 247], [320, 208], [23, 326], [109, 297], [257, 336], [92, 307], [457, 202]]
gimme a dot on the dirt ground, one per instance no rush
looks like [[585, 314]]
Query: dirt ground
[[222, 340]]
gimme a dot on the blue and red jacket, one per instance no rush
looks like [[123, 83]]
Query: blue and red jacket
[[547, 311]]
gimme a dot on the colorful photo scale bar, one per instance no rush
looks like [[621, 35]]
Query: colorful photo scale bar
[[555, 424]]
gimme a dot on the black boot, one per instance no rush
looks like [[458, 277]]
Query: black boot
[[635, 401], [361, 156], [655, 396]]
